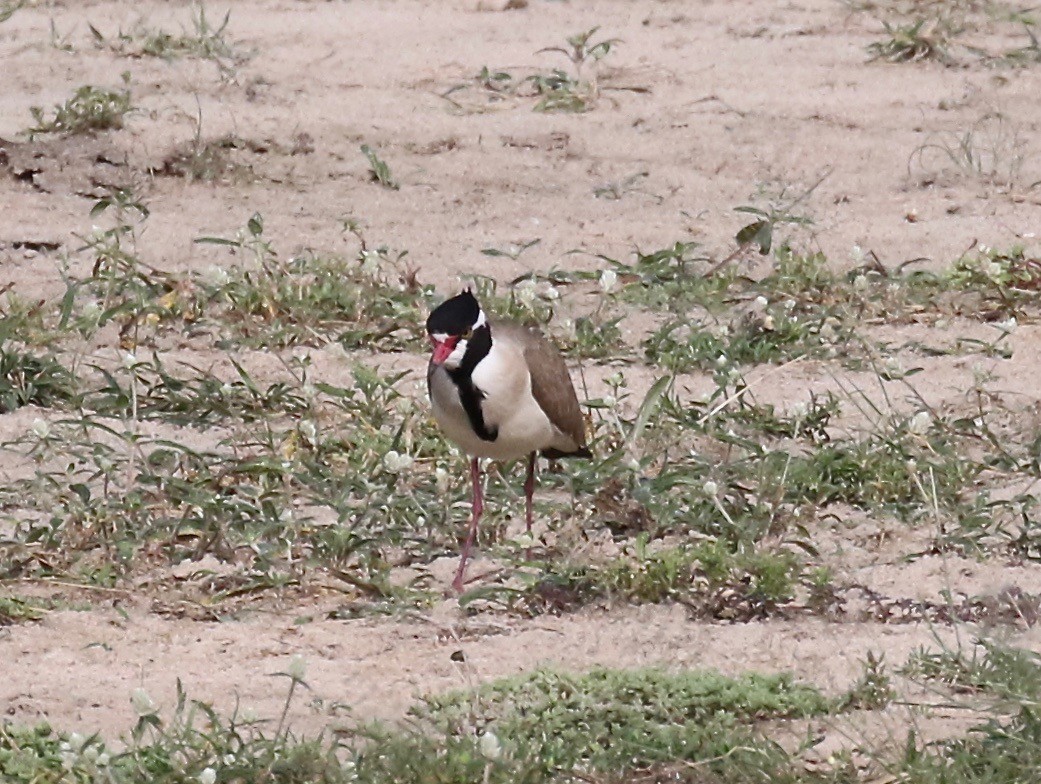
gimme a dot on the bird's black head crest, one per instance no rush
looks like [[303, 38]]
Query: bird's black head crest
[[456, 315]]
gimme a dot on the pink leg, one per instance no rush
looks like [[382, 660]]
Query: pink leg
[[478, 507], [529, 491]]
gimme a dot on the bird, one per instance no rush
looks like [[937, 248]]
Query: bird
[[499, 390]]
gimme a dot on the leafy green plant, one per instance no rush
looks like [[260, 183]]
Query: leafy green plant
[[780, 210], [16, 610], [617, 720], [89, 109], [27, 378], [203, 40], [194, 744], [199, 398], [121, 287], [920, 39], [712, 579], [210, 160], [1005, 281], [988, 666], [581, 49], [560, 91], [372, 300], [1005, 746], [379, 171], [874, 689]]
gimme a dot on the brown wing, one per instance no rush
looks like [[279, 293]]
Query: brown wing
[[550, 385]]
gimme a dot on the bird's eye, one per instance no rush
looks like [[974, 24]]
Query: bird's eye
[[468, 334]]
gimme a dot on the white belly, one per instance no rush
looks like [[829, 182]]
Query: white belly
[[522, 426]]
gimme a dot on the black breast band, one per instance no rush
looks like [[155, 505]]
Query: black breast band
[[470, 396]]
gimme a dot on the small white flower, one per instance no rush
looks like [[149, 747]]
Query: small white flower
[[984, 249], [207, 776], [761, 301], [800, 410], [370, 263], [551, 293], [525, 292], [1007, 326], [980, 374], [91, 310], [721, 360], [102, 760], [608, 280], [919, 424], [129, 360], [710, 488], [912, 465], [860, 283], [610, 401], [142, 702], [40, 428], [490, 746], [216, 276], [768, 323], [76, 742], [297, 668], [893, 368], [397, 463]]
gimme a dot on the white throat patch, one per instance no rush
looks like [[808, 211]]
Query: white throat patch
[[455, 359]]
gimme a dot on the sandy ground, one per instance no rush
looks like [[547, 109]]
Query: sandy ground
[[720, 103]]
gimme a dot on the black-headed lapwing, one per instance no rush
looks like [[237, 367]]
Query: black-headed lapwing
[[499, 390]]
